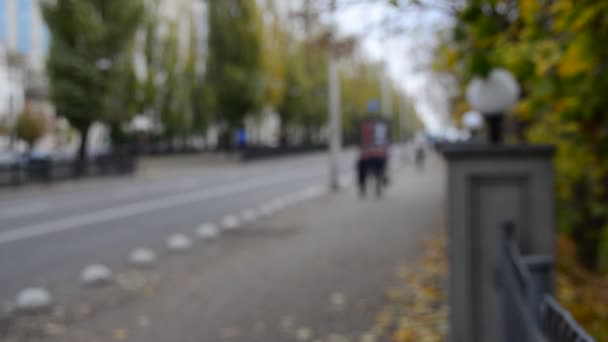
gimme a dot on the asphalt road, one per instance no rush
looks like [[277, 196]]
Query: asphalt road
[[48, 235]]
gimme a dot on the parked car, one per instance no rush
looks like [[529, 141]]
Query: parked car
[[12, 168], [8, 159]]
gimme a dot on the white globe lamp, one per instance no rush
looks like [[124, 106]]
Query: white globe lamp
[[493, 96], [472, 120]]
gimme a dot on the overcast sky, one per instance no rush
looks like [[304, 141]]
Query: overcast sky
[[408, 51]]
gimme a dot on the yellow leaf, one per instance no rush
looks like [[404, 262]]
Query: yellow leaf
[[574, 61], [545, 55], [452, 58], [561, 6], [528, 9], [584, 17], [565, 104], [523, 109], [120, 334], [405, 335]]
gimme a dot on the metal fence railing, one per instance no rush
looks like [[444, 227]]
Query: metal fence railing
[[559, 325], [531, 313], [48, 170]]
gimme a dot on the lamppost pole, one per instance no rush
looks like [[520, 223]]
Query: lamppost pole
[[335, 131], [13, 116]]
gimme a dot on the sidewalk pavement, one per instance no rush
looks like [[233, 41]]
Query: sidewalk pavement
[[314, 272]]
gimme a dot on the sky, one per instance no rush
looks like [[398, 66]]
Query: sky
[[408, 52]]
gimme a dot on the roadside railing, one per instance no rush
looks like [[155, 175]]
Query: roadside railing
[[559, 325], [531, 313], [11, 174], [263, 152], [48, 170]]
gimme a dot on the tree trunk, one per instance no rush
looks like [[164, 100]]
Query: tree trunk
[[81, 160], [172, 144], [226, 140], [283, 134], [588, 237], [308, 140], [588, 233], [116, 135]]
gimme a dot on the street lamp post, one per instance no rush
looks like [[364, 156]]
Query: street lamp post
[[335, 129], [493, 96], [13, 117]]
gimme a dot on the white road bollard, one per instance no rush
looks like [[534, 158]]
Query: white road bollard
[[249, 215], [96, 275], [179, 243], [266, 210], [142, 257], [207, 232], [231, 223], [33, 300]]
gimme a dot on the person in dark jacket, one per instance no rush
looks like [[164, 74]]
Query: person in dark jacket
[[373, 156]]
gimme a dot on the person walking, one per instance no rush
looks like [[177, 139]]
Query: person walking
[[373, 156]]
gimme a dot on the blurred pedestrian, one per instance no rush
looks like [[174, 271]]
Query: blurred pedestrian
[[373, 157], [420, 157]]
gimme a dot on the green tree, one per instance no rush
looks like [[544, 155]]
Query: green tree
[[555, 49], [409, 120], [274, 50], [234, 65], [89, 40], [315, 114], [124, 100], [30, 127], [174, 98], [361, 83], [5, 128], [152, 51], [295, 102], [195, 85]]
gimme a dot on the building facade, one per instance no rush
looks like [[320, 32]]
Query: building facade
[[22, 30], [24, 43]]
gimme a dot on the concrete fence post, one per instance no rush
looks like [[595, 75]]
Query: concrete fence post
[[487, 186]]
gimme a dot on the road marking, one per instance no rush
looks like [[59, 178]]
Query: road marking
[[133, 209]]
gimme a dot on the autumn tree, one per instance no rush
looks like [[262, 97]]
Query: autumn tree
[[274, 55], [556, 50], [5, 128], [30, 127]]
